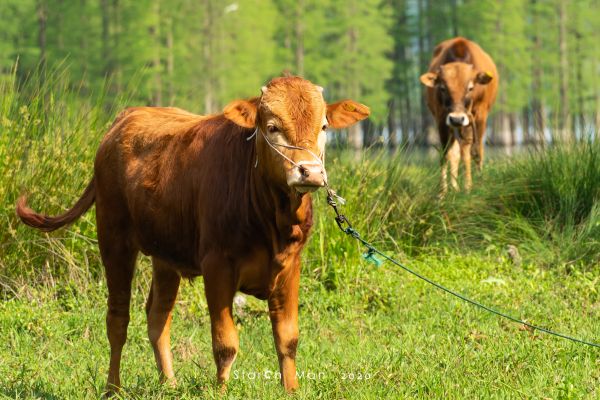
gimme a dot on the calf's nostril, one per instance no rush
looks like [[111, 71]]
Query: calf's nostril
[[304, 172]]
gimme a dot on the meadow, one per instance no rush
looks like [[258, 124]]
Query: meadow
[[366, 331]]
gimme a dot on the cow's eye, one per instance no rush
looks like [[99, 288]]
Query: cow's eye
[[470, 87], [272, 129], [324, 128], [442, 88]]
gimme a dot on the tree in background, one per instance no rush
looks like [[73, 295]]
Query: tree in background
[[200, 54]]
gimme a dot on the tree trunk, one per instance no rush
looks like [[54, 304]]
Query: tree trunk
[[116, 61], [170, 63], [504, 135], [299, 33], [512, 124], [527, 136], [421, 135], [355, 132], [60, 37], [106, 56], [83, 45], [563, 119], [392, 125], [371, 138], [537, 107], [454, 15], [42, 15], [408, 119], [597, 116], [492, 132], [154, 31], [579, 76], [207, 53]]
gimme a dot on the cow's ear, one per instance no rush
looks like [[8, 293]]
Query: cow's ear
[[483, 78], [345, 113], [242, 112], [428, 79]]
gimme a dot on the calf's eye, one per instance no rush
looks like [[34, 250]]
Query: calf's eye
[[324, 128], [272, 129]]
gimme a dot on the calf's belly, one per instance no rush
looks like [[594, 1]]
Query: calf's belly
[[254, 274]]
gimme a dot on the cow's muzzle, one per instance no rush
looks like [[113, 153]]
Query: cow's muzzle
[[457, 119], [304, 176], [307, 176]]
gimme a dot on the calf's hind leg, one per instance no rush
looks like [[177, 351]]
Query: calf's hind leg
[[220, 287], [118, 256], [481, 126], [159, 310]]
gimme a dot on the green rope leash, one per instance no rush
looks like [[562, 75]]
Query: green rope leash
[[371, 253]]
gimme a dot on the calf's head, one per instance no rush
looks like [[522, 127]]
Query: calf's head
[[290, 119], [457, 85]]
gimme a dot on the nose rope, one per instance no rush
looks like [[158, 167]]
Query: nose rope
[[287, 146], [331, 194]]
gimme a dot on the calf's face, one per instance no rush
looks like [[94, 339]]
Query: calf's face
[[456, 86], [291, 119]]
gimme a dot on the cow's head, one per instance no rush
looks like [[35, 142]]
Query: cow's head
[[457, 85], [290, 120]]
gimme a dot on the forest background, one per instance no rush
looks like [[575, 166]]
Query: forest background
[[201, 54]]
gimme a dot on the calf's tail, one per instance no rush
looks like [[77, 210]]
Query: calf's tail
[[47, 223]]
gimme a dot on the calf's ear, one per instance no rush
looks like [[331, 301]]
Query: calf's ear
[[483, 78], [428, 79], [345, 113], [242, 112]]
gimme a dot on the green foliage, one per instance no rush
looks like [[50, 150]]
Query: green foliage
[[201, 54], [244, 65]]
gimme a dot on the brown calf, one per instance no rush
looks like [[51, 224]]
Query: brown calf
[[222, 196], [461, 88]]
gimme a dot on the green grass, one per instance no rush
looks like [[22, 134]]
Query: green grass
[[397, 336], [410, 340]]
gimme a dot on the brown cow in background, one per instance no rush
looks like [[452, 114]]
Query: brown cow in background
[[223, 196], [461, 88]]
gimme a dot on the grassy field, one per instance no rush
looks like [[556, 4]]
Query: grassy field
[[366, 331]]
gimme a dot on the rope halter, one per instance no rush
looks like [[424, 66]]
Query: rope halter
[[301, 168]]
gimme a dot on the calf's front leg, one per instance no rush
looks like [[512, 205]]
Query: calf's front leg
[[283, 311], [465, 153], [453, 157]]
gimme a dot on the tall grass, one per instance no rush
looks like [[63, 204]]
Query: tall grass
[[49, 134], [544, 202]]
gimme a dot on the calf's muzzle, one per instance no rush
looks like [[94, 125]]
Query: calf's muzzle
[[457, 119], [307, 176]]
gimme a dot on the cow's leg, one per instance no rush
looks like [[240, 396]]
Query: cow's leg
[[118, 256], [445, 141], [465, 153], [220, 287], [481, 125], [444, 177], [159, 307], [283, 311], [453, 158]]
